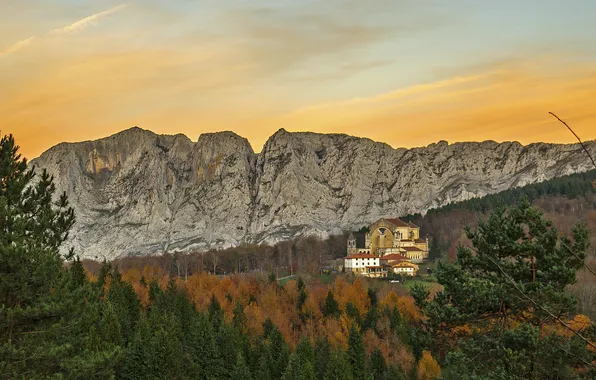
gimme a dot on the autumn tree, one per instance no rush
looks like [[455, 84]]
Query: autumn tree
[[428, 368]]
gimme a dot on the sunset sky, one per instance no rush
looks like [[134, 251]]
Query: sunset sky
[[405, 72]]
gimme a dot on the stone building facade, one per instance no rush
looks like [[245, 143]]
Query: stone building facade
[[390, 236]]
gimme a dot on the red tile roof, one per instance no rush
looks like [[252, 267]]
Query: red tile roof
[[394, 256], [362, 256], [411, 249], [398, 222]]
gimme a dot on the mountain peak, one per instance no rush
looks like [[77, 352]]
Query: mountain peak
[[138, 193]]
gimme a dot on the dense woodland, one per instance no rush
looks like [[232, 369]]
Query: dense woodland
[[503, 310]]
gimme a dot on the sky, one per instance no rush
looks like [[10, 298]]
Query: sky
[[405, 72]]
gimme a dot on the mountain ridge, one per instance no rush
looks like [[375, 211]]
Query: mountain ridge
[[137, 192]]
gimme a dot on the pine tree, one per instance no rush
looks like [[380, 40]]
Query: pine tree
[[305, 352], [338, 367], [307, 372], [239, 318], [504, 289], [126, 305], [241, 371], [356, 353], [292, 371], [40, 299], [202, 347], [331, 307], [279, 353], [322, 357], [378, 365]]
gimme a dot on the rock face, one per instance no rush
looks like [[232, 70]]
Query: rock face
[[138, 193]]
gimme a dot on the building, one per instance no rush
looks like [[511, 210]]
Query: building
[[390, 236], [399, 264], [364, 264]]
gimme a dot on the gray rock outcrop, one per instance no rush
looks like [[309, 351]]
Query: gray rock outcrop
[[138, 193]]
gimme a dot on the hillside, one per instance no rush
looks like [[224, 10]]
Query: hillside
[[565, 201], [138, 193]]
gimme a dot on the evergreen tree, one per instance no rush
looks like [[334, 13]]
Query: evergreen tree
[[45, 323], [279, 352], [356, 353], [203, 348], [353, 312], [215, 312], [378, 365], [127, 307], [305, 352], [239, 318], [307, 372], [322, 357], [331, 307], [292, 371], [263, 372], [504, 290], [338, 367], [241, 371]]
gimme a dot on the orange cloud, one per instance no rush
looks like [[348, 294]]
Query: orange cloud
[[508, 103], [90, 98]]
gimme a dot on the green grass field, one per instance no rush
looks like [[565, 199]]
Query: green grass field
[[428, 282]]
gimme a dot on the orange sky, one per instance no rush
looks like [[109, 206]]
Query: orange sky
[[86, 72]]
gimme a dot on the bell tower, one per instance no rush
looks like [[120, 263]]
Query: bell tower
[[352, 249]]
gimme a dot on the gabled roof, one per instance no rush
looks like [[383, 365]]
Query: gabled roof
[[394, 257], [412, 225], [411, 249], [398, 222], [404, 264], [362, 256], [420, 241]]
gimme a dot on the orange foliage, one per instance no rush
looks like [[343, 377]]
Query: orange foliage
[[262, 301], [404, 304], [428, 368]]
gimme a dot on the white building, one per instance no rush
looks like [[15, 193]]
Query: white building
[[364, 264]]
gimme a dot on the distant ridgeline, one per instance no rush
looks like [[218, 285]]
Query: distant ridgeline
[[570, 186]]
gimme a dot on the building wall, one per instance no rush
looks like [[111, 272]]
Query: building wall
[[376, 240], [361, 263]]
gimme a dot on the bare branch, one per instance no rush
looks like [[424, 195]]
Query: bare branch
[[577, 137], [577, 257], [563, 323]]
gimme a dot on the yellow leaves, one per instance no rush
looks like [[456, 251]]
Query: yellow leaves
[[580, 322], [391, 300], [133, 275], [428, 368], [355, 293], [404, 304], [461, 330], [311, 308]]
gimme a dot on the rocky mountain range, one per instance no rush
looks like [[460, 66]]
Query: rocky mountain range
[[139, 193]]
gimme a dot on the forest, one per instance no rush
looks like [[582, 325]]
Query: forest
[[503, 310]]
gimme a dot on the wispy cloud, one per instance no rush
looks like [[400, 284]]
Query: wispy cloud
[[402, 92], [72, 28], [16, 46], [85, 22]]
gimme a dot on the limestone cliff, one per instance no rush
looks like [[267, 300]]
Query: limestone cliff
[[141, 193]]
